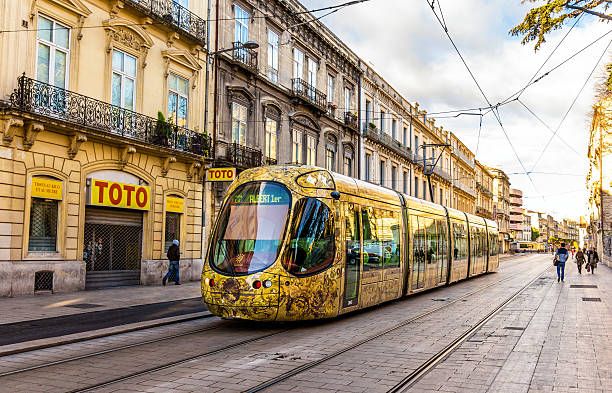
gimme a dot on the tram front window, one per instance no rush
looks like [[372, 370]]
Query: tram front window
[[311, 248], [251, 227]]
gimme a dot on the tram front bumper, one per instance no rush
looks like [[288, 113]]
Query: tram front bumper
[[253, 297]]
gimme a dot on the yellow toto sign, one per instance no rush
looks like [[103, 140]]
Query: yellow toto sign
[[221, 174], [45, 188], [113, 194]]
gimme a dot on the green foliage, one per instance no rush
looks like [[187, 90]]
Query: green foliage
[[534, 234], [542, 20], [163, 129]]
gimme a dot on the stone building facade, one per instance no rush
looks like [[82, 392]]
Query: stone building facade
[[516, 214], [484, 191], [599, 181], [501, 211], [95, 184], [463, 168], [294, 99]]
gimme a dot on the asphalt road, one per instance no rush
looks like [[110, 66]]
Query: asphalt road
[[13, 333]]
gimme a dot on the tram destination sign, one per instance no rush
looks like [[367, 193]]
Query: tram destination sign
[[113, 194], [221, 174]]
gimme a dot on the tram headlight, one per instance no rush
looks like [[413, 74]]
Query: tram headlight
[[267, 284], [211, 282], [256, 284]]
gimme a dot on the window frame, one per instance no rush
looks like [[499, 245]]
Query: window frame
[[269, 136], [178, 95], [240, 25], [273, 56], [246, 122], [124, 75], [53, 47]]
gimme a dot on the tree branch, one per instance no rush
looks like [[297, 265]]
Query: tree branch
[[602, 16]]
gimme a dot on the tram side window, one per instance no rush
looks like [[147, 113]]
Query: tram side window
[[493, 244], [311, 246], [392, 239], [432, 240], [442, 248], [373, 254], [418, 251], [460, 241]]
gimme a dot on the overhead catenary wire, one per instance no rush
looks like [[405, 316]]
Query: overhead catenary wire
[[571, 105]]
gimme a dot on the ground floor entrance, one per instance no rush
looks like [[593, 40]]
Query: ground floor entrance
[[112, 248]]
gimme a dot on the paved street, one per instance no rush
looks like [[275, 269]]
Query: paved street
[[518, 349]]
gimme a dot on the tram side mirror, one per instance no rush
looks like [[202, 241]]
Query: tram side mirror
[[335, 195]]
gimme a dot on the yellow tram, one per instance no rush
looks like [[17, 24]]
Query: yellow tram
[[297, 242]]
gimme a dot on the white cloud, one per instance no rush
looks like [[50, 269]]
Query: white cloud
[[407, 47]]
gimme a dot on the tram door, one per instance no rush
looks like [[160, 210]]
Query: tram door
[[353, 252], [418, 253]]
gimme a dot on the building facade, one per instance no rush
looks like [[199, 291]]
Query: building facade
[[463, 169], [526, 234], [484, 191], [501, 201], [599, 181], [516, 214], [99, 174]]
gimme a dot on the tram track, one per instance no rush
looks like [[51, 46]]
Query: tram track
[[238, 344], [412, 377]]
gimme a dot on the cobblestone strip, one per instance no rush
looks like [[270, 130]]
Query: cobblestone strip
[[247, 366], [549, 341]]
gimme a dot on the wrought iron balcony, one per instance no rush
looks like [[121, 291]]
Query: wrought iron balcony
[[386, 140], [308, 93], [174, 15], [238, 155], [244, 56], [350, 119], [47, 100]]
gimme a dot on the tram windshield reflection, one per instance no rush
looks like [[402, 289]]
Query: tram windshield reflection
[[251, 227]]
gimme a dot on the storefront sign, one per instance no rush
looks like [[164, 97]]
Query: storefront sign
[[221, 174], [113, 194], [174, 205], [45, 188]]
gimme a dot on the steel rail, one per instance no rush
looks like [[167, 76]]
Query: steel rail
[[110, 350], [315, 363], [414, 376]]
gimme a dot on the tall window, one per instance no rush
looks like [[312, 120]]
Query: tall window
[[440, 201], [43, 225], [272, 56], [330, 159], [416, 144], [52, 52], [382, 120], [298, 63], [296, 147], [123, 89], [424, 189], [311, 150], [405, 137], [177, 100], [382, 172], [394, 177], [173, 229], [331, 86], [312, 77], [270, 148], [239, 123], [368, 114], [394, 128], [405, 182], [416, 187], [347, 99], [348, 165], [241, 29], [368, 166]]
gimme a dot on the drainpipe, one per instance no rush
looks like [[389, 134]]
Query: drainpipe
[[359, 122], [211, 150]]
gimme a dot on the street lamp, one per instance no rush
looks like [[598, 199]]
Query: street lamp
[[428, 168]]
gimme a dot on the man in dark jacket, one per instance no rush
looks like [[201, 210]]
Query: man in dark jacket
[[561, 256], [174, 255], [593, 258]]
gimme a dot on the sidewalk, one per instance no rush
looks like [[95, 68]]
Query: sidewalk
[[553, 338], [27, 308]]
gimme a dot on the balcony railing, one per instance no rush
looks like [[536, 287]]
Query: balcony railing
[[244, 56], [389, 142], [442, 173], [464, 158], [173, 15], [350, 119], [57, 103], [308, 93], [238, 155], [465, 188]]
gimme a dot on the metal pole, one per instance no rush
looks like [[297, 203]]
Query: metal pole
[[430, 189]]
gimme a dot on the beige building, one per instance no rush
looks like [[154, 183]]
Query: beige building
[[599, 181], [501, 207], [516, 214], [463, 168], [94, 184], [484, 191]]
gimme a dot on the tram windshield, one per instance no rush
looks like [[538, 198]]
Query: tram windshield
[[251, 227]]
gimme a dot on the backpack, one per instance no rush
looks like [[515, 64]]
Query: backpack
[[563, 255]]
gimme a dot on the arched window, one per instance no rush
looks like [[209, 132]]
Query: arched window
[[330, 152], [348, 160], [46, 193]]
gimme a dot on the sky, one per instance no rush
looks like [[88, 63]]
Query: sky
[[406, 45]]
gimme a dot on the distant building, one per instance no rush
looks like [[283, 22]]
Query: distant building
[[501, 206], [516, 214]]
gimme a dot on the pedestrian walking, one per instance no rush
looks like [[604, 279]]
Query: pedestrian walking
[[592, 259], [561, 257], [580, 260], [174, 255]]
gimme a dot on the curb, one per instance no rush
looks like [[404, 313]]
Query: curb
[[43, 343]]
